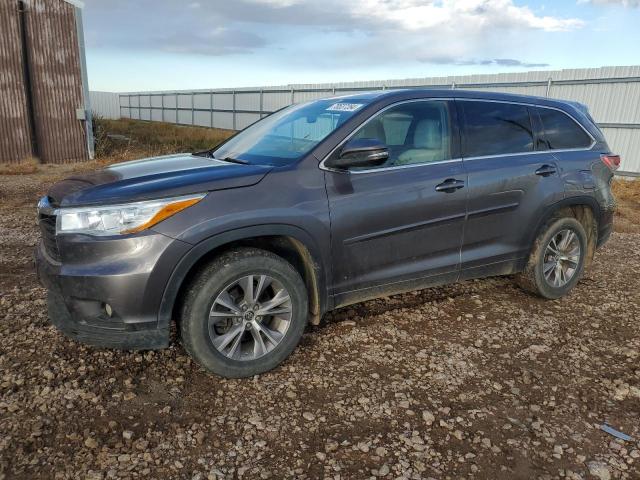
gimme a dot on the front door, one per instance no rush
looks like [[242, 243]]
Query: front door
[[401, 223]]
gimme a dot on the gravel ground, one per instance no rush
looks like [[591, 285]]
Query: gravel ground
[[474, 380]]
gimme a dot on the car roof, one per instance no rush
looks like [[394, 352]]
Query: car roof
[[381, 98], [410, 93]]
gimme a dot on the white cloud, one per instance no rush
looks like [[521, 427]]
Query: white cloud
[[414, 15], [278, 3], [483, 14], [431, 31], [624, 3], [332, 33]]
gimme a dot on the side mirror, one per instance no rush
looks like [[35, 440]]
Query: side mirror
[[360, 152]]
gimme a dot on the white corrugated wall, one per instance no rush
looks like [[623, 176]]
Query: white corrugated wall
[[105, 104], [611, 93]]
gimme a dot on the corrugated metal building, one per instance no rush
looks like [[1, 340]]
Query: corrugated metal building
[[611, 93], [44, 97]]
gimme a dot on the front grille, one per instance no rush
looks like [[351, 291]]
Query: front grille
[[48, 230]]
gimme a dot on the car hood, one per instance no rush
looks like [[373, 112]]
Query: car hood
[[156, 177]]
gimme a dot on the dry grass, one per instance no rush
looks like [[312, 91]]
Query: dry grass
[[627, 193], [126, 139], [123, 140], [27, 166]]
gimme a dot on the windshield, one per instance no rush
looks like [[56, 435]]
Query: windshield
[[287, 135]]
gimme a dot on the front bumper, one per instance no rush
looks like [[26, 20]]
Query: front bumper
[[105, 335], [126, 274]]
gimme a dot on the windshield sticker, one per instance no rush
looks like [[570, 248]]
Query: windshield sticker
[[344, 107]]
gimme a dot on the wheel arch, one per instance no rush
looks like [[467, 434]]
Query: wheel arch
[[292, 243], [585, 209]]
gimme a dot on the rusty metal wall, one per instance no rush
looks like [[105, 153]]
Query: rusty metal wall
[[56, 80], [15, 135]]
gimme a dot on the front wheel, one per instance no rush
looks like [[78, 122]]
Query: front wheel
[[557, 259], [244, 313]]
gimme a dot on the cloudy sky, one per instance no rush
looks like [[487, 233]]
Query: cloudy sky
[[184, 44]]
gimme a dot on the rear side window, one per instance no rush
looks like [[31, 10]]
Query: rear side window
[[560, 131], [493, 128]]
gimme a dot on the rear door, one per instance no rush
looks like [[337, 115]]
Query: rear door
[[571, 145], [401, 221], [510, 183]]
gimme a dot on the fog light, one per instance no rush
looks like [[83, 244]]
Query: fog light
[[107, 309]]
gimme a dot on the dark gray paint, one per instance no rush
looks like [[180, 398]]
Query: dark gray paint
[[368, 233]]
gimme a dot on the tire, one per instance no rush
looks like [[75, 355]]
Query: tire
[[533, 278], [225, 282]]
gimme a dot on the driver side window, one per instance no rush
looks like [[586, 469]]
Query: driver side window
[[415, 132]]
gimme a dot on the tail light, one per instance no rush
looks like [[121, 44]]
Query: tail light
[[611, 161]]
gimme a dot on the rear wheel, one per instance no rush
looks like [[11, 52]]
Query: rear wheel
[[557, 259], [244, 313]]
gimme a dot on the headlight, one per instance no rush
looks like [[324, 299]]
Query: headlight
[[121, 219]]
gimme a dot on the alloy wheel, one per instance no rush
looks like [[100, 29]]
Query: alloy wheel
[[561, 258], [250, 317]]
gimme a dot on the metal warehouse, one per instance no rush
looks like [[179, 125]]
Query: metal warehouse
[[43, 83]]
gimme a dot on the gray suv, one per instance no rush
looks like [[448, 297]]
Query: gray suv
[[321, 205]]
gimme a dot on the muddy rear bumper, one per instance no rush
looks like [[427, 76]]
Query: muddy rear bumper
[[605, 227]]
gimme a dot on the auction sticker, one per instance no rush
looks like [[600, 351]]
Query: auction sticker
[[344, 107]]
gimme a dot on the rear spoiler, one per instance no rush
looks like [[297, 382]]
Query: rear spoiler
[[584, 110]]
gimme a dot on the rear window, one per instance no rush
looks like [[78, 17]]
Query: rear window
[[493, 128], [560, 131]]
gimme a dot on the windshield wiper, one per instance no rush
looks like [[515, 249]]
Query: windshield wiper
[[232, 160], [205, 153], [209, 154]]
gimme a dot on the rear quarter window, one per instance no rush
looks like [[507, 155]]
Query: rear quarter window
[[561, 132]]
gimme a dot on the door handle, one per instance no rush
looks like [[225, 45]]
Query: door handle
[[450, 185], [546, 170]]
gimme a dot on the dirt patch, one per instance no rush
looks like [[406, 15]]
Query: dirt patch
[[472, 380]]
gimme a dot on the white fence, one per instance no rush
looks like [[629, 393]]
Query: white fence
[[611, 93]]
